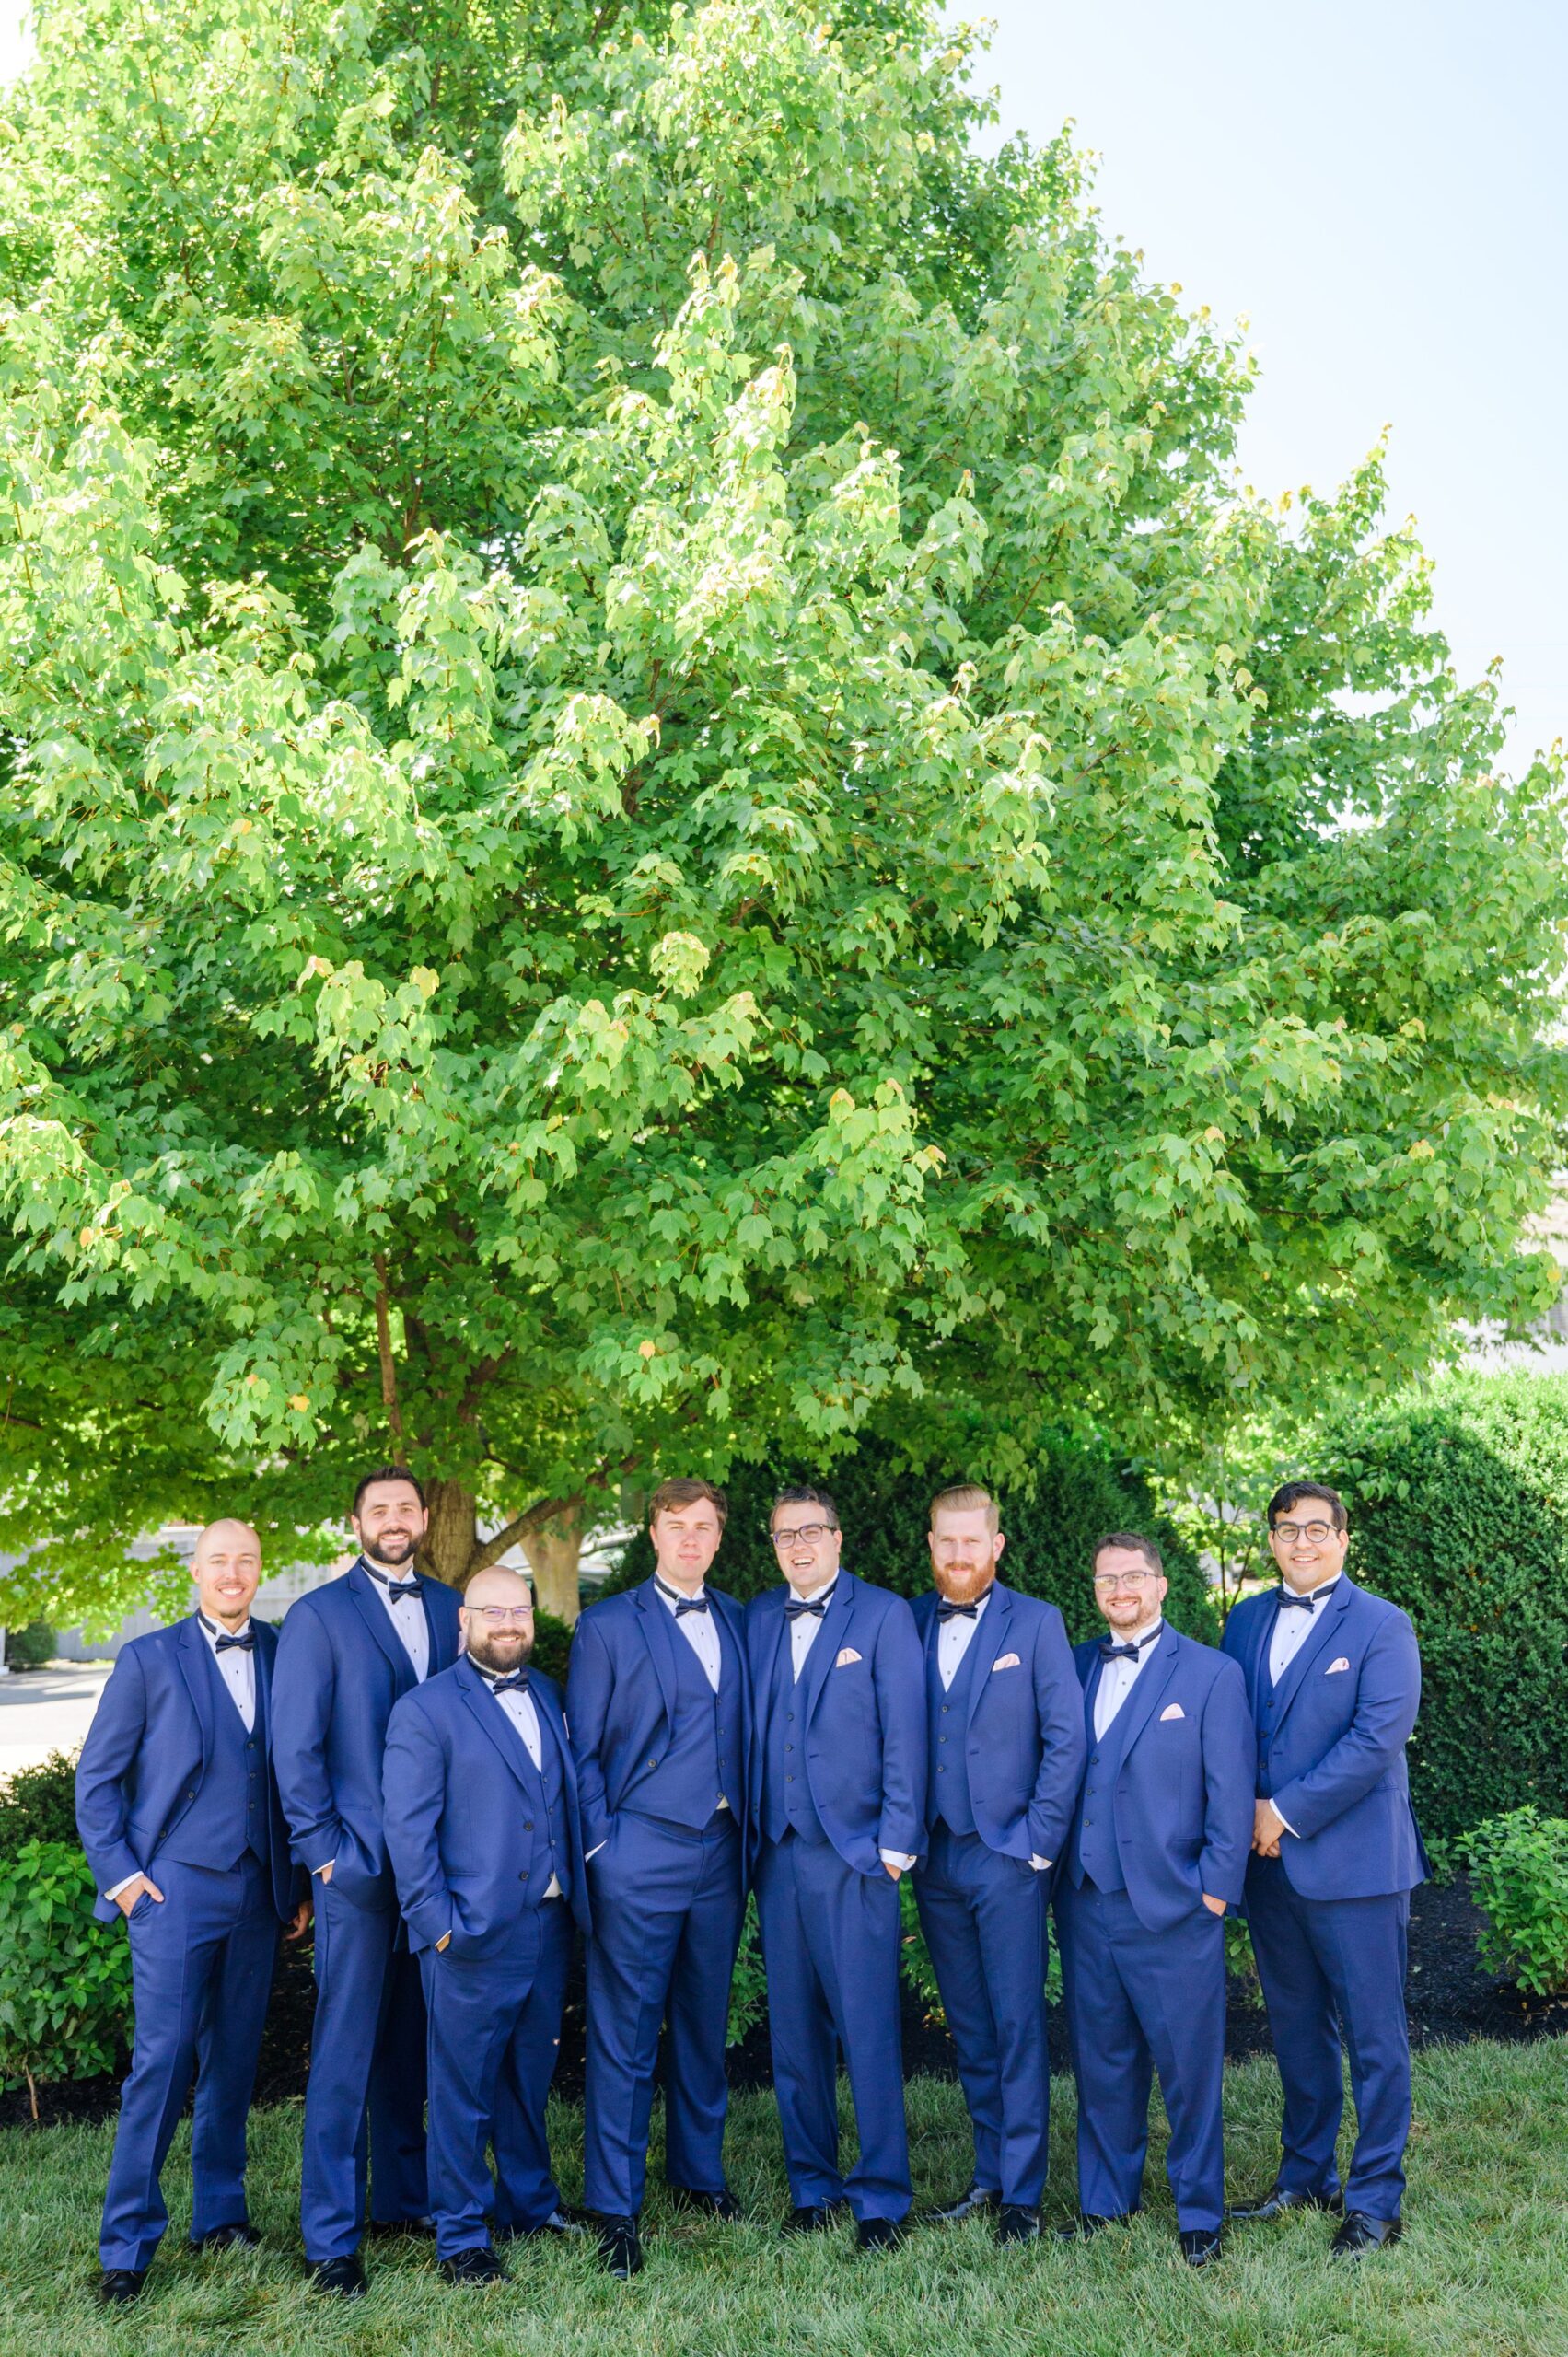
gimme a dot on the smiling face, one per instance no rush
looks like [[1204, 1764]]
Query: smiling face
[[390, 1524], [685, 1540], [807, 1545], [227, 1568], [1307, 1546], [496, 1619], [965, 1551], [1128, 1590]]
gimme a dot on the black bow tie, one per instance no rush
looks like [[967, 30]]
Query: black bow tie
[[517, 1683], [945, 1611], [682, 1603], [1110, 1652], [796, 1606], [395, 1589], [1289, 1599], [245, 1644]]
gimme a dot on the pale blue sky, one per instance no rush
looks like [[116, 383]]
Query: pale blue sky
[[1381, 190]]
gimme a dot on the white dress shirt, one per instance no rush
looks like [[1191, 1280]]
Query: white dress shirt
[[1117, 1678], [697, 1627], [1292, 1628], [407, 1616], [518, 1706], [802, 1637], [236, 1667]]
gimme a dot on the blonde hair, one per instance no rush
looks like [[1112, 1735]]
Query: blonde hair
[[967, 1497]]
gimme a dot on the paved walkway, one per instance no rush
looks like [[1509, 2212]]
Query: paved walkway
[[47, 1710]]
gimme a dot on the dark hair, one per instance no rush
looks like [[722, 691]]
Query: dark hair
[[802, 1494], [389, 1473], [1135, 1541], [671, 1495], [1292, 1493]]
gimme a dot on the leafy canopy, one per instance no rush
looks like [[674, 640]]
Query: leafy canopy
[[662, 800]]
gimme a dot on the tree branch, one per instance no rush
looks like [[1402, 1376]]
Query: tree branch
[[388, 1371]]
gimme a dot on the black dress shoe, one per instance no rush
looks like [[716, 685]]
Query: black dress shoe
[[721, 2204], [815, 2218], [1361, 2234], [559, 2223], [1086, 2227], [240, 2238], [878, 2233], [476, 2265], [620, 2250], [340, 2278], [1200, 2245], [1015, 2223], [118, 2286], [975, 2203], [1277, 2203], [384, 2229]]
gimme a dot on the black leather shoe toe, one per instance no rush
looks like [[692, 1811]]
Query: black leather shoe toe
[[340, 2278], [1279, 2202], [240, 2238], [975, 2203], [556, 2227], [118, 2286], [1361, 2234], [815, 2218], [721, 2204], [1015, 2223], [477, 2266], [878, 2233], [1200, 2245], [619, 2248]]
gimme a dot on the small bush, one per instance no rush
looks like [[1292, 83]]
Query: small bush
[[31, 1648], [38, 1804], [1519, 1875], [64, 1978], [551, 1646]]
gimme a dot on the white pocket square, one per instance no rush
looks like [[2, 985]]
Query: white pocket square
[[1172, 1711], [1343, 1663], [845, 1658], [1003, 1661]]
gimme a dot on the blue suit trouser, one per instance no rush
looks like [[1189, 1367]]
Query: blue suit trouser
[[200, 1972], [1137, 2001], [983, 1916], [830, 1945], [494, 2038], [1327, 1966], [667, 1906], [365, 2097]]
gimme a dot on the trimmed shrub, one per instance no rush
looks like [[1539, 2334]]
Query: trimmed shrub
[[1458, 1504], [551, 1646], [64, 1978], [1082, 1493], [1519, 1875], [31, 1648], [38, 1804]]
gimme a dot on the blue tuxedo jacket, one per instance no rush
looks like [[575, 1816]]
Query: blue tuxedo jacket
[[467, 1858], [621, 1698], [864, 1719], [1330, 1741], [1025, 1742], [1182, 1800], [148, 1756], [341, 1667]]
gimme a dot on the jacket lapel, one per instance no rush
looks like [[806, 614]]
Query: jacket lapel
[[989, 1643], [1325, 1620], [492, 1717], [374, 1613], [190, 1646], [828, 1643], [659, 1634], [1147, 1688], [266, 1646]]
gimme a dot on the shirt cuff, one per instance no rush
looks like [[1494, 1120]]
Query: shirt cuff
[[595, 1851], [120, 1886], [896, 1857], [1041, 1865], [1286, 1823], [321, 1869]]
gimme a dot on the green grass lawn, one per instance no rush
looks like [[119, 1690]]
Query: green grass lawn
[[1484, 2270]]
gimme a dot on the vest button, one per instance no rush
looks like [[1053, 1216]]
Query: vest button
[[653, 1764], [941, 1738], [789, 1780], [946, 1708], [941, 1767], [522, 1877], [527, 1825]]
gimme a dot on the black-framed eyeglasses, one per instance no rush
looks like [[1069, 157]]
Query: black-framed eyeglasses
[[1290, 1531], [810, 1531]]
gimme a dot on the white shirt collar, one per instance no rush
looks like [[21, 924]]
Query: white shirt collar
[[213, 1630], [673, 1596]]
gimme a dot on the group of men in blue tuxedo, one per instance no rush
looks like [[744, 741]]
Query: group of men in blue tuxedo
[[392, 1768]]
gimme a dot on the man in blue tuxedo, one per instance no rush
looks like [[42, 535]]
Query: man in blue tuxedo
[[484, 1835], [1334, 1679], [347, 1653], [178, 1815], [1157, 1851], [838, 1815], [1005, 1715], [659, 1708]]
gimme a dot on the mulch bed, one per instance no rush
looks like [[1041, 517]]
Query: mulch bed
[[1449, 1999]]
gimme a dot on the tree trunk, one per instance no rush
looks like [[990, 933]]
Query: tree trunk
[[552, 1546], [451, 1541]]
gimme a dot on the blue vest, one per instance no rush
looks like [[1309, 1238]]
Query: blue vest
[[702, 1761], [786, 1795], [948, 1717], [546, 1796], [1095, 1853], [232, 1812]]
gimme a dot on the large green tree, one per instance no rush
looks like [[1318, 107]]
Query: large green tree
[[663, 801]]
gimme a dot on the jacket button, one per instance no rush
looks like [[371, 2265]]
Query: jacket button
[[653, 1764], [789, 1780], [527, 1825], [941, 1767], [522, 1877], [946, 1708]]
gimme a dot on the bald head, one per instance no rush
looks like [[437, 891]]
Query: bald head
[[227, 1568], [497, 1619]]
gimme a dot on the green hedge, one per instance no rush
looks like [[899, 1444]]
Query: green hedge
[[1458, 1504], [1082, 1492], [38, 1804]]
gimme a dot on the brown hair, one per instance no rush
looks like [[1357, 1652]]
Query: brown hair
[[671, 1495], [1296, 1494], [967, 1497], [1136, 1543]]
